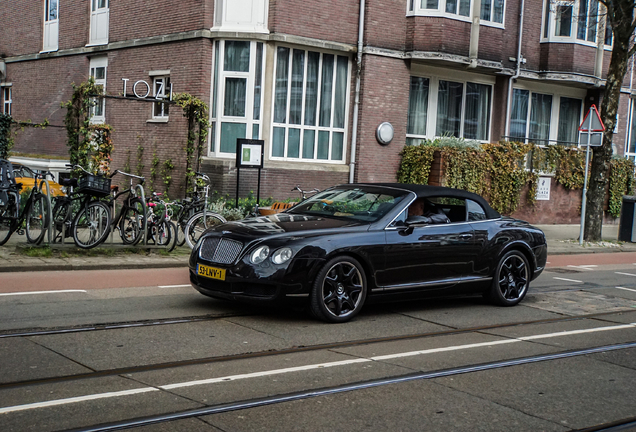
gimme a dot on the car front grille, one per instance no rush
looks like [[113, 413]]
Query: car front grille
[[220, 250]]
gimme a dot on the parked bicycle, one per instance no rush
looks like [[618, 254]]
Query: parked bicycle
[[80, 213], [129, 220], [303, 193], [159, 229], [203, 220], [34, 218]]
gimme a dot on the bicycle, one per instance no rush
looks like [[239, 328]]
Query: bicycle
[[159, 228], [35, 214], [89, 224], [303, 193], [203, 220], [129, 220]]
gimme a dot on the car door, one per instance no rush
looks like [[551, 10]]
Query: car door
[[427, 255]]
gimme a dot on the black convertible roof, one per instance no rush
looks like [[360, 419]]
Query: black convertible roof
[[426, 191]]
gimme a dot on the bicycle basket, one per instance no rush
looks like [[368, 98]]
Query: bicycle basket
[[94, 185]]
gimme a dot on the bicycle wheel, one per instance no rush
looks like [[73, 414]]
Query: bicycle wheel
[[180, 234], [173, 236], [131, 225], [91, 225], [7, 218], [161, 233], [37, 219], [197, 224], [61, 219]]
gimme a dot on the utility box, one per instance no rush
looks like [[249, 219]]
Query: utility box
[[627, 224]]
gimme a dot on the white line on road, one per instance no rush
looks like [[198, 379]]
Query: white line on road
[[304, 368], [568, 280], [626, 289], [42, 292], [625, 274], [175, 286], [584, 267]]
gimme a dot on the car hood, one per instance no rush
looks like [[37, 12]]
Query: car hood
[[283, 224]]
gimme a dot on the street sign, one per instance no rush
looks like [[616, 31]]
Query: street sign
[[592, 121], [593, 138]]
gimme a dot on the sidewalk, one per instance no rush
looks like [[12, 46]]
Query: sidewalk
[[562, 240]]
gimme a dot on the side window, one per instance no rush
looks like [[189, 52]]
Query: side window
[[475, 211], [399, 221]]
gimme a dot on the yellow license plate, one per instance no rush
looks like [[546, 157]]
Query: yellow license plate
[[211, 272]]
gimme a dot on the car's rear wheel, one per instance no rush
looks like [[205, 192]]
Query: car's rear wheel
[[511, 280], [339, 290]]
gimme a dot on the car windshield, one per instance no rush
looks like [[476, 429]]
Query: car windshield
[[360, 204]]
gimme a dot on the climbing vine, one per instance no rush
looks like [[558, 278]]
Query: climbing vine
[[90, 145], [196, 111], [621, 183], [497, 171], [166, 175]]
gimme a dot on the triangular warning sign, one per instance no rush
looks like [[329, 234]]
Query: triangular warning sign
[[592, 121]]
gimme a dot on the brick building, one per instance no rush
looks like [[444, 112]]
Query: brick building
[[285, 71]]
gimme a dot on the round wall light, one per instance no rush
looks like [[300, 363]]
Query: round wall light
[[384, 133]]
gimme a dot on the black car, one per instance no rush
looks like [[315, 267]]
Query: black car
[[355, 241]]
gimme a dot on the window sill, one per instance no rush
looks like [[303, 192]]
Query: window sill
[[158, 120]]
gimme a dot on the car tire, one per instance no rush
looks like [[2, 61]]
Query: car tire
[[339, 291], [511, 279]]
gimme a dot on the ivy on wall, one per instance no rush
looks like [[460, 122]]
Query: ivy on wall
[[196, 111], [90, 145], [501, 171]]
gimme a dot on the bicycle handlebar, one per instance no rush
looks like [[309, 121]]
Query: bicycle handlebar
[[141, 179]]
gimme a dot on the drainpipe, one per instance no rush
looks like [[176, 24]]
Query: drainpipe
[[356, 104], [474, 35], [517, 72]]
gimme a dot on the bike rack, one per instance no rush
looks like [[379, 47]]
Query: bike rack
[[142, 194], [48, 206]]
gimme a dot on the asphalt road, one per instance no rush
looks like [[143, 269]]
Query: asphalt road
[[80, 349]]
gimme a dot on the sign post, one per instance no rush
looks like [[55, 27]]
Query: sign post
[[590, 134], [249, 154]]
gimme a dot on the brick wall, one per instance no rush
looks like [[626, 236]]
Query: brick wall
[[334, 20], [385, 24], [21, 29], [439, 34], [39, 89], [385, 92]]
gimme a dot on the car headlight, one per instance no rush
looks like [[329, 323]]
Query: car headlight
[[260, 254], [282, 255]]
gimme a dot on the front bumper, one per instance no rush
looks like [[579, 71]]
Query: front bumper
[[265, 283]]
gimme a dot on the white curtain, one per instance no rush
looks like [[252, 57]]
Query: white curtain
[[449, 108], [311, 93], [296, 96], [519, 114], [340, 96], [540, 111], [326, 90], [569, 118], [280, 93], [477, 115], [418, 106]]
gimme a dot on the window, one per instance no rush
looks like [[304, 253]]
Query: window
[[310, 105], [241, 15], [532, 118], [51, 25], [630, 148], [236, 94], [100, 14], [463, 110], [6, 100], [98, 67], [492, 11], [161, 90], [574, 21], [475, 211]]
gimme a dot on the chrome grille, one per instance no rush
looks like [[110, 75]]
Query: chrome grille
[[220, 250]]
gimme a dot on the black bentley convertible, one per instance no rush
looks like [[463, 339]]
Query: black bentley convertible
[[355, 241]]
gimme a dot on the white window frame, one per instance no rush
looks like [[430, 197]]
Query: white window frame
[[161, 111], [99, 21], [433, 91], [241, 15], [7, 98], [95, 63], [631, 130], [557, 93], [316, 128], [217, 92], [549, 20], [414, 8], [51, 30]]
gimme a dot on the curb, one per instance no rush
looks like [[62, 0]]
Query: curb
[[102, 266]]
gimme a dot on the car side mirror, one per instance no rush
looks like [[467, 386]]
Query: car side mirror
[[408, 230]]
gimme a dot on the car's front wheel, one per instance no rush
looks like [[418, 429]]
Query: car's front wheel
[[511, 280], [339, 290]]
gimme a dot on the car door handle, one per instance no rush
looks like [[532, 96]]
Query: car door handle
[[465, 236]]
